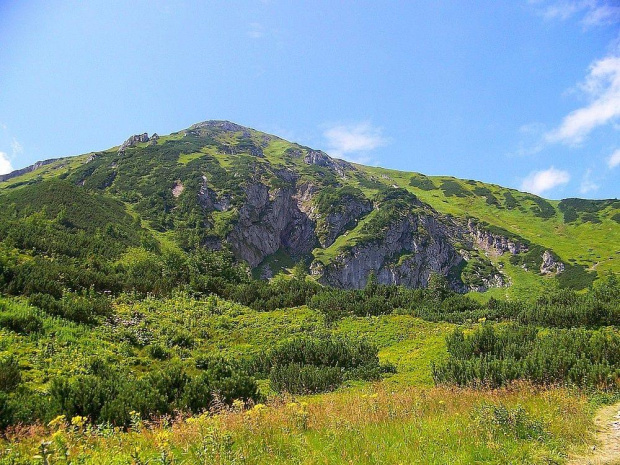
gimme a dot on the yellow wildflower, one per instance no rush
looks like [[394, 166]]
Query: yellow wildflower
[[58, 421], [238, 405], [78, 421], [162, 439]]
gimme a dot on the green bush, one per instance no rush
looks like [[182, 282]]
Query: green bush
[[111, 395], [509, 200], [422, 182], [295, 378], [10, 375], [6, 411], [515, 421], [454, 189], [158, 352], [309, 364], [22, 321], [495, 357], [81, 308]]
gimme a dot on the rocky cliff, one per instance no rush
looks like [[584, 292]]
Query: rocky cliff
[[550, 264], [412, 248], [269, 221], [492, 242], [135, 139]]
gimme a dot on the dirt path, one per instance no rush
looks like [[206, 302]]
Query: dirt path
[[607, 452]]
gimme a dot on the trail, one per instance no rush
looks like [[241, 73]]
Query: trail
[[607, 451]]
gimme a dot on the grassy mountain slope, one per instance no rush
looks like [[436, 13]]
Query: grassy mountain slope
[[190, 188]]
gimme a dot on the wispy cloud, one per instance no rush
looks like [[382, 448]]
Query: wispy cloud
[[5, 163], [602, 14], [563, 10], [591, 12], [587, 184], [358, 139], [602, 86], [614, 159], [256, 31], [538, 182], [532, 141], [16, 147]]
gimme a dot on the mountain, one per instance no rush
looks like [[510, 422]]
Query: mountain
[[274, 203]]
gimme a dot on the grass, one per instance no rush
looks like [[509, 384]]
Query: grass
[[373, 425], [410, 344], [401, 419], [185, 158], [223, 221], [346, 240], [278, 262], [54, 169]]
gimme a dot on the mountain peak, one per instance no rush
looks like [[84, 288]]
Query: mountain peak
[[224, 125]]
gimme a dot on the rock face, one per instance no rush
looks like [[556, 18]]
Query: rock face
[[269, 221], [28, 169], [413, 247], [494, 243], [488, 282], [178, 189], [210, 201], [319, 158], [133, 140], [550, 265]]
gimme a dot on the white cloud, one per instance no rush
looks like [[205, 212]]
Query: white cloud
[[614, 159], [587, 185], [5, 164], [538, 182], [343, 140], [602, 86], [256, 31]]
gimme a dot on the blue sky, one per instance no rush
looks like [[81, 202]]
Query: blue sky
[[524, 94]]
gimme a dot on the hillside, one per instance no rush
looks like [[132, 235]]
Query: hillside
[[274, 203], [406, 318]]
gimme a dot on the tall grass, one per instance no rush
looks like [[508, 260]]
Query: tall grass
[[371, 425]]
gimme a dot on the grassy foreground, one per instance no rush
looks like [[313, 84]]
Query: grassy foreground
[[368, 425]]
